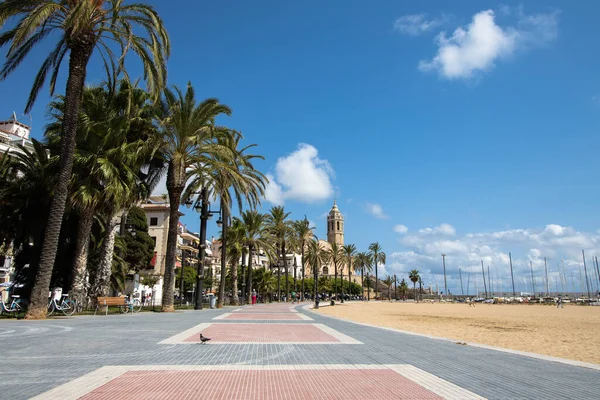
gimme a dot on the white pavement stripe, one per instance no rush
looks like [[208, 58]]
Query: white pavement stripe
[[180, 337], [222, 316], [83, 385], [344, 339], [435, 384]]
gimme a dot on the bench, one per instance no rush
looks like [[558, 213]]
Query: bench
[[110, 301]]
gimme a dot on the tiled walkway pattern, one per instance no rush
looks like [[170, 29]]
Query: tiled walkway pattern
[[256, 353]]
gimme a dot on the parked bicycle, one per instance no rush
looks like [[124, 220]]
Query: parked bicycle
[[57, 301], [132, 303], [17, 306]]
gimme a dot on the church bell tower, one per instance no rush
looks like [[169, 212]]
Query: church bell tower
[[335, 226]]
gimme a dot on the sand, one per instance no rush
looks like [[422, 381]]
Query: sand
[[572, 332]]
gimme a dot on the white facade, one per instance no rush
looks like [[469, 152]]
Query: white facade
[[12, 134]]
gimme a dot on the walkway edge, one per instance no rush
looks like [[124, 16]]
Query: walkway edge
[[566, 361]]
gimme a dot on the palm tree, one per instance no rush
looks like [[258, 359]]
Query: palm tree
[[235, 246], [281, 229], [256, 237], [304, 232], [378, 257], [363, 262], [389, 281], [265, 282], [403, 288], [316, 256], [336, 256], [82, 27], [349, 251], [414, 277], [112, 146], [189, 138], [232, 173]]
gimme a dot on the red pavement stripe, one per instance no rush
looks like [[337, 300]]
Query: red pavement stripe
[[348, 384], [265, 316], [260, 333]]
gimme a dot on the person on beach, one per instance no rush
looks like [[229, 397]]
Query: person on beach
[[559, 303]]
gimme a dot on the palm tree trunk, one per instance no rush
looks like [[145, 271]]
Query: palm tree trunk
[[368, 288], [249, 282], [349, 279], [224, 215], [235, 299], [302, 295], [376, 279], [101, 281], [287, 276], [243, 274], [415, 290], [362, 281], [82, 244], [38, 301], [175, 175], [335, 288]]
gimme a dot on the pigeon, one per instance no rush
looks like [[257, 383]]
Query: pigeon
[[203, 339]]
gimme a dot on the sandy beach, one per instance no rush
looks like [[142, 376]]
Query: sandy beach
[[570, 333]]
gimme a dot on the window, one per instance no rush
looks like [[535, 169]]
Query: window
[[153, 240], [325, 271], [338, 225], [153, 221]]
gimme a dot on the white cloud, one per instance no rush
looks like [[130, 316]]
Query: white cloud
[[477, 47], [300, 176], [443, 229], [401, 229], [559, 245], [375, 210], [417, 24]]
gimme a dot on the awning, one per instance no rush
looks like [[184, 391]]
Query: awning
[[153, 261]]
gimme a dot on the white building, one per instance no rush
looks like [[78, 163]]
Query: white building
[[12, 134]]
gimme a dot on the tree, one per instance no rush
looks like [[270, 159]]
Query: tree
[[403, 288], [389, 281], [139, 246], [317, 255], [82, 27], [189, 138], [349, 251], [265, 282], [414, 278], [336, 256], [378, 257], [235, 246], [280, 228], [229, 173], [364, 263], [112, 146], [256, 237], [304, 232]]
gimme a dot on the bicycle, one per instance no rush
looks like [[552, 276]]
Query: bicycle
[[67, 306], [17, 306], [134, 305]]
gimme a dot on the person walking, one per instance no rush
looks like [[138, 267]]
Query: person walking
[[559, 303], [253, 296]]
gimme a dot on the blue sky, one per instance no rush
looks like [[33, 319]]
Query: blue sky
[[490, 128]]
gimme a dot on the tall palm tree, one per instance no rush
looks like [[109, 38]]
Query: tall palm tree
[[316, 256], [265, 282], [189, 138], [234, 174], [256, 237], [378, 257], [363, 262], [112, 146], [349, 251], [235, 246], [280, 228], [336, 256], [389, 280], [414, 277], [81, 26], [304, 232]]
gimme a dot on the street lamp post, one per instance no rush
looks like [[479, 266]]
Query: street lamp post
[[202, 205], [181, 277], [279, 280]]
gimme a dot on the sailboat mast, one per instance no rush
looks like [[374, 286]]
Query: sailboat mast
[[484, 285], [587, 283], [461, 284], [547, 284], [511, 274], [532, 280]]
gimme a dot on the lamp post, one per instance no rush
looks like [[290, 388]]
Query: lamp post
[[181, 277], [315, 284], [279, 262], [202, 206]]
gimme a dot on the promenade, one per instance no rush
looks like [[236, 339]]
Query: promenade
[[263, 352]]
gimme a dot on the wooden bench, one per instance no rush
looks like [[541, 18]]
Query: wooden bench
[[110, 301]]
